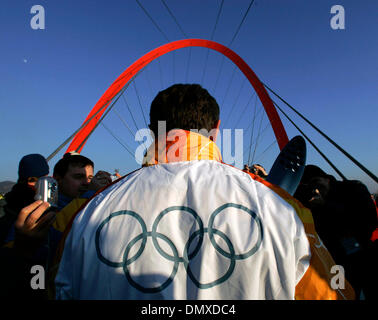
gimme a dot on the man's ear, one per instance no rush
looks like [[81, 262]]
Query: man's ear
[[216, 128]]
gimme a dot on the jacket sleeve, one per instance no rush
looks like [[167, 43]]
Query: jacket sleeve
[[314, 283]]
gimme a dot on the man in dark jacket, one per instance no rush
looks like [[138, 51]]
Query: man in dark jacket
[[16, 266], [31, 167]]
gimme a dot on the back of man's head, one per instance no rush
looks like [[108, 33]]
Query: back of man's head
[[186, 107], [73, 160]]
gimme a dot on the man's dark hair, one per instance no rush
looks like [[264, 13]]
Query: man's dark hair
[[68, 159], [184, 106]]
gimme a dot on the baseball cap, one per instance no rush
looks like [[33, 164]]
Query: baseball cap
[[33, 165]]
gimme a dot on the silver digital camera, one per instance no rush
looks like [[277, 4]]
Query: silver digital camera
[[47, 190]]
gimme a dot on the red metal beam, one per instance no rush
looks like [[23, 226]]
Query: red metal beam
[[79, 140]]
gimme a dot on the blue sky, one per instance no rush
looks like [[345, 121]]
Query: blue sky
[[50, 79]]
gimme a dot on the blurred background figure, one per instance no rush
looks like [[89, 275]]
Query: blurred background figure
[[345, 218], [259, 170], [115, 175]]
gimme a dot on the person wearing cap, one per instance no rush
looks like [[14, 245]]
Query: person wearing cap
[[22, 229], [30, 168], [77, 183], [36, 229]]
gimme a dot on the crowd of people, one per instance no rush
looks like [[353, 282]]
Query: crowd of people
[[30, 230], [345, 216], [80, 248]]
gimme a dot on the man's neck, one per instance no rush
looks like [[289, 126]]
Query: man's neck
[[181, 145]]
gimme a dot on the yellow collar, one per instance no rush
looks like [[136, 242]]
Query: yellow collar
[[181, 145]]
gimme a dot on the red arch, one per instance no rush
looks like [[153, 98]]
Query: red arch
[[79, 140]]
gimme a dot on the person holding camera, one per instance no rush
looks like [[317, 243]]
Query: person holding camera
[[35, 227], [76, 184], [23, 229], [30, 168]]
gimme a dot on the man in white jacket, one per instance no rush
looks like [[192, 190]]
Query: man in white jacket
[[188, 226]]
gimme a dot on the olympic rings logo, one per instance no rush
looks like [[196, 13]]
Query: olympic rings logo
[[175, 257]]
